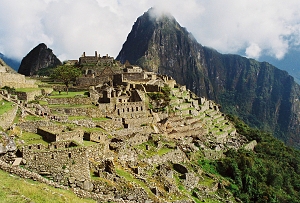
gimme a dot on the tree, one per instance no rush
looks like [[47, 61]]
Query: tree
[[65, 74]]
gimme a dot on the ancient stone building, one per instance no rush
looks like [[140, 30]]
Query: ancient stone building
[[97, 69]]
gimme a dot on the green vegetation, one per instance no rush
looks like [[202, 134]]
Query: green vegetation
[[33, 118], [130, 178], [17, 190], [164, 96], [56, 94], [5, 106], [32, 138], [269, 174], [65, 74], [27, 89]]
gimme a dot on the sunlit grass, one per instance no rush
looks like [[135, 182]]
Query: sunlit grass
[[32, 138], [63, 94], [16, 190], [27, 89], [131, 178], [5, 106]]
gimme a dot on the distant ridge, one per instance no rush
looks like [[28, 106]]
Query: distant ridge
[[10, 62], [259, 93]]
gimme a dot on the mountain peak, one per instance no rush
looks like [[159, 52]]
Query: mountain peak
[[158, 14], [39, 57], [146, 31], [158, 43]]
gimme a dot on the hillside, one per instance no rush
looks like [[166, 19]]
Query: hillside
[[259, 93], [17, 190], [142, 138]]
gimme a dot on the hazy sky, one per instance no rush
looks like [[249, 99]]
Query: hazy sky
[[256, 28]]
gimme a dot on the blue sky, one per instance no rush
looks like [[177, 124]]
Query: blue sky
[[264, 30]]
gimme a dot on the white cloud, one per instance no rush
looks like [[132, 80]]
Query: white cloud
[[253, 51], [69, 27]]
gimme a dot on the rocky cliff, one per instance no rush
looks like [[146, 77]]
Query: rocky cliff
[[259, 93], [38, 58]]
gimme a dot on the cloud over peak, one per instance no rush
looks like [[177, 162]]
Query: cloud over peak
[[69, 27]]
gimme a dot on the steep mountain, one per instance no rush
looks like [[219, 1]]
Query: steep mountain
[[38, 58], [10, 62], [261, 94]]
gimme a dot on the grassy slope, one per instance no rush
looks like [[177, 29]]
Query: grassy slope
[[16, 190]]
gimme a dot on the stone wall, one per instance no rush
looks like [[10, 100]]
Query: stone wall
[[129, 131], [32, 126], [91, 112], [176, 156], [30, 96], [147, 87], [92, 81], [137, 139], [97, 136], [71, 101], [96, 152], [67, 166], [131, 109], [49, 136], [110, 125], [132, 76], [132, 122], [16, 81], [8, 117]]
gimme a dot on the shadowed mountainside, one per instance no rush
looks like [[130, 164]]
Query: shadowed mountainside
[[38, 58], [261, 94]]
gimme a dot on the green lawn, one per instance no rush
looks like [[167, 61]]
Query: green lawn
[[56, 94], [5, 106], [27, 89], [32, 138], [16, 190], [33, 118]]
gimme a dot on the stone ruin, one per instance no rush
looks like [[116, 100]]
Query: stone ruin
[[133, 137]]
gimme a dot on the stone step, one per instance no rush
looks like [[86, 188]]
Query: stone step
[[17, 161]]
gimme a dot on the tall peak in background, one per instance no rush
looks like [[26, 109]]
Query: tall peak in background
[[38, 58], [259, 93]]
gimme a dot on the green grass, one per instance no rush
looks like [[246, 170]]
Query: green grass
[[42, 102], [130, 178], [163, 151], [5, 106], [33, 118], [27, 89], [56, 94], [88, 143], [89, 130], [71, 118], [32, 138], [16, 190]]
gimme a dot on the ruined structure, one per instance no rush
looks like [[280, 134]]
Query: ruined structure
[[97, 69], [137, 124], [12, 79]]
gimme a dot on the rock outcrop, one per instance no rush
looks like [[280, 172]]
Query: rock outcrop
[[38, 58], [6, 143], [259, 93]]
